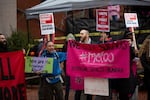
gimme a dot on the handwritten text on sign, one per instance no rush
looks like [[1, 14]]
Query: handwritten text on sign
[[110, 60], [34, 64]]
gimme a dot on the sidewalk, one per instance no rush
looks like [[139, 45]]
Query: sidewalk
[[32, 94]]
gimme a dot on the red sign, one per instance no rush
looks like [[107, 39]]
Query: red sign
[[12, 79], [46, 18], [102, 20]]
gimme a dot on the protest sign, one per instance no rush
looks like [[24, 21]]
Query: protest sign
[[96, 86], [102, 20], [109, 60], [131, 20], [47, 23], [34, 64], [12, 79]]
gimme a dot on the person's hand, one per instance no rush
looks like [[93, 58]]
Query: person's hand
[[24, 51], [136, 51], [38, 72]]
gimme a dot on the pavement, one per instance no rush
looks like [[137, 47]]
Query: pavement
[[32, 93]]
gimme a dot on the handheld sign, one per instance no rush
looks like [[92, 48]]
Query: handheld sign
[[34, 64], [102, 20], [47, 23], [131, 21]]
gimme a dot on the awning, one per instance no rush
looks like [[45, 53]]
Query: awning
[[49, 6]]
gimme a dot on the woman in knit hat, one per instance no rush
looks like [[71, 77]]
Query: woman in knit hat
[[70, 36]]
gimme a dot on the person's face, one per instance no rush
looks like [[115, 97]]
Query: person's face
[[83, 35], [104, 35], [50, 46], [3, 40]]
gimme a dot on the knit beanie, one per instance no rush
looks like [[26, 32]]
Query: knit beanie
[[70, 36]]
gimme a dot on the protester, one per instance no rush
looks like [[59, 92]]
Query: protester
[[144, 54], [70, 36], [3, 43], [105, 37], [126, 86], [51, 85], [84, 38], [135, 60], [41, 45]]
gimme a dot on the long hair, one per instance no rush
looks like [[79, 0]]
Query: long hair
[[145, 48]]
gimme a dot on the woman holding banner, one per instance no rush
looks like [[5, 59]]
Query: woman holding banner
[[51, 83], [70, 36], [105, 38], [126, 86]]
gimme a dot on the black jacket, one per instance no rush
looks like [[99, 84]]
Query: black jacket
[[3, 48]]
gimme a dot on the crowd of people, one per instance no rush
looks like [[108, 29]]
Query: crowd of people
[[51, 84]]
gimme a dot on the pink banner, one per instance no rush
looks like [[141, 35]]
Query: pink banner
[[110, 60], [77, 83]]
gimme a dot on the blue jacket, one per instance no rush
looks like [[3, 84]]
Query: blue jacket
[[58, 58]]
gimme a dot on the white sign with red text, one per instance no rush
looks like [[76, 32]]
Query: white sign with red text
[[102, 20], [131, 20], [96, 86], [47, 23]]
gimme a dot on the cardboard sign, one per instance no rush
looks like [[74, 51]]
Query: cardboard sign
[[96, 86], [34, 64], [102, 20], [131, 20], [47, 23]]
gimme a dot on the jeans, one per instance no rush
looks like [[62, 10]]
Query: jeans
[[67, 87]]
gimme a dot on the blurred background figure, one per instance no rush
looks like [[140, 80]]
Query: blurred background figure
[[104, 37], [144, 54], [3, 43]]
